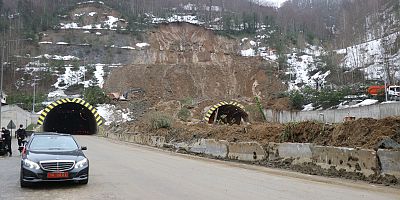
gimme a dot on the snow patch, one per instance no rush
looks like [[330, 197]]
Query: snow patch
[[248, 52], [141, 45], [72, 25], [99, 74], [111, 22], [308, 107], [57, 57], [176, 18], [127, 47], [111, 114], [62, 43], [45, 42], [372, 57]]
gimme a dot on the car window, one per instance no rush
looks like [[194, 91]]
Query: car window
[[53, 143]]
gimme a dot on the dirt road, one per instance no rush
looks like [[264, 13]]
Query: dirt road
[[125, 171]]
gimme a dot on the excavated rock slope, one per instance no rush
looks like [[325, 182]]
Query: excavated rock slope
[[185, 60]]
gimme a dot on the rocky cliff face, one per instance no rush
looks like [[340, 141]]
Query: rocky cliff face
[[185, 60]]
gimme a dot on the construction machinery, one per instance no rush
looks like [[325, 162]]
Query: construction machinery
[[392, 91], [125, 95]]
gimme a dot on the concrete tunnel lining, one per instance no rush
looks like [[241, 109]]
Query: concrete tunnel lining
[[71, 117], [227, 113]]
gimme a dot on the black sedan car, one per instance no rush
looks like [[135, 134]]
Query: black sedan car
[[53, 157]]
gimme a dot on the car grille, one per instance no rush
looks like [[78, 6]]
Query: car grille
[[57, 165]]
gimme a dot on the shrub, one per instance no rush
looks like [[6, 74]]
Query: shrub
[[158, 120], [188, 101], [328, 98], [31, 127], [287, 135], [25, 100], [95, 95], [184, 114], [254, 113], [296, 99]]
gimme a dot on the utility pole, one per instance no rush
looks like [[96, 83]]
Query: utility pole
[[34, 93], [84, 78], [1, 82]]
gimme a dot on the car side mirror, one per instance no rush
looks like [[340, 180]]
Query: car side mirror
[[83, 148]]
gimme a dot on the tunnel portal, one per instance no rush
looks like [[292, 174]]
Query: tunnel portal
[[72, 117], [226, 113]]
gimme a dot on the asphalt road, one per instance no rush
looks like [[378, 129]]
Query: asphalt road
[[125, 171]]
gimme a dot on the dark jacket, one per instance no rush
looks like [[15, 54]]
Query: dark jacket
[[21, 134], [6, 135]]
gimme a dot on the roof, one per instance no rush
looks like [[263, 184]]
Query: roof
[[51, 133]]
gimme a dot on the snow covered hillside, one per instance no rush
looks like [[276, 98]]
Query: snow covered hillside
[[379, 59], [274, 3]]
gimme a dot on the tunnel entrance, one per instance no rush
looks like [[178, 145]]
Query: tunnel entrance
[[227, 113], [72, 117]]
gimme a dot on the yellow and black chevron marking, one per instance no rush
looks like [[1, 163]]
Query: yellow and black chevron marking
[[54, 104], [222, 103]]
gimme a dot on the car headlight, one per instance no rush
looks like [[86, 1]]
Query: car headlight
[[30, 164], [81, 163]]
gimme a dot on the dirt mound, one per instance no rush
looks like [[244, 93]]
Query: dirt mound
[[186, 60], [262, 132], [366, 132], [304, 132]]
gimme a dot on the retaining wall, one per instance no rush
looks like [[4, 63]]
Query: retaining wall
[[378, 111]]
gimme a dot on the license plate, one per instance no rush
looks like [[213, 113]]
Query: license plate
[[57, 175]]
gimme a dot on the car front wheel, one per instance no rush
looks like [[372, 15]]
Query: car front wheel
[[84, 182], [23, 183]]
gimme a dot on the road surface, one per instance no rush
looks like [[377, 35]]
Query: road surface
[[126, 171]]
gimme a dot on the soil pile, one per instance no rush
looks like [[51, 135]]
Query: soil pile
[[262, 133], [364, 133], [189, 61]]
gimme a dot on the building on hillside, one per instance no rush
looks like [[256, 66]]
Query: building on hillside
[[17, 115]]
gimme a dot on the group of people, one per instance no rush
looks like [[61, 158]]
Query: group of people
[[5, 136]]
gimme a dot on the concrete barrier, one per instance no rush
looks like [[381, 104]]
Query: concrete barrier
[[114, 136], [155, 141], [390, 162], [210, 147], [246, 151], [181, 145], [364, 161], [349, 159], [300, 152]]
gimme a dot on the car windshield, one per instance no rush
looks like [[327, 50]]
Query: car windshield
[[52, 142]]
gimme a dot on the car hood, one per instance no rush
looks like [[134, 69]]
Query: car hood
[[37, 156]]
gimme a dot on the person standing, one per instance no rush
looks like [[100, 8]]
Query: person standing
[[21, 135], [7, 139]]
